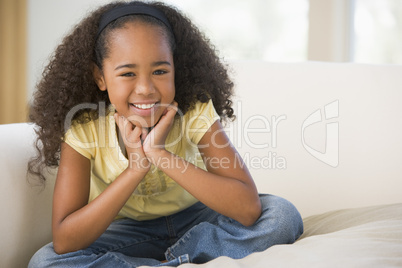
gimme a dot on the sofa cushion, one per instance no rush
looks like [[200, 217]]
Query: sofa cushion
[[25, 209]]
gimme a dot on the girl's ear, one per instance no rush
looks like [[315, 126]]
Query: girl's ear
[[99, 79]]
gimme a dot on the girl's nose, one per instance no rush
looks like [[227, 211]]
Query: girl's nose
[[144, 86]]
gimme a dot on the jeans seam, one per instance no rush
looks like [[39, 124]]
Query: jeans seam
[[169, 255], [182, 240], [117, 248], [169, 226], [170, 229], [120, 260]]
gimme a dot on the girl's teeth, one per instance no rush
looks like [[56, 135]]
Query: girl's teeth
[[144, 106]]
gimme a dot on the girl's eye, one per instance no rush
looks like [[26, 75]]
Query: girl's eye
[[159, 72], [128, 74]]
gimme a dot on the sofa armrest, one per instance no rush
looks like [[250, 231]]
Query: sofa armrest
[[25, 209]]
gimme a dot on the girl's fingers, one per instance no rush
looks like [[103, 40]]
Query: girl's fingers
[[135, 136], [157, 136], [144, 133], [131, 134], [168, 118], [173, 106], [169, 112]]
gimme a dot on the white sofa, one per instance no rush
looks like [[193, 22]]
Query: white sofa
[[326, 136]]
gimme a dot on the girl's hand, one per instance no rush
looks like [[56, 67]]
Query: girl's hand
[[131, 135], [154, 142]]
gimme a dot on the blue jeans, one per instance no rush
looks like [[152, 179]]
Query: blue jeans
[[196, 234]]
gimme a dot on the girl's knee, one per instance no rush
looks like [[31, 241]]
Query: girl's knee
[[42, 256], [283, 214], [279, 206]]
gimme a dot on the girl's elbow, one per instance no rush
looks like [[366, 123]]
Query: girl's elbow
[[63, 247], [59, 247], [252, 214], [59, 244]]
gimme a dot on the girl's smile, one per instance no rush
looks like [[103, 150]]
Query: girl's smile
[[144, 109], [144, 106], [138, 73]]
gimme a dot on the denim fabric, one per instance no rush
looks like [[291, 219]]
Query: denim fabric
[[196, 234]]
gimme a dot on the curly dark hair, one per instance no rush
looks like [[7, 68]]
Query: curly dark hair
[[68, 80]]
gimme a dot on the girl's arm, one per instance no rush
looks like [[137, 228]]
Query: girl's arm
[[227, 187], [76, 223]]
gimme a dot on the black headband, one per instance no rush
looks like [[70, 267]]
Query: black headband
[[131, 9]]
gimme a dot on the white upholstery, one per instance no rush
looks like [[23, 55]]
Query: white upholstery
[[370, 130], [365, 106], [25, 209]]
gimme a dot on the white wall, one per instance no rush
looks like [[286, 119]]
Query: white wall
[[50, 20]]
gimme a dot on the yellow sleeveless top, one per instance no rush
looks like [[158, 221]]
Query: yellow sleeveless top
[[157, 195]]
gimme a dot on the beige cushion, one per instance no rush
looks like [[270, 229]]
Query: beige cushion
[[364, 237]]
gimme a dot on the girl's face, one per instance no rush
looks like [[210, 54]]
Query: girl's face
[[138, 73]]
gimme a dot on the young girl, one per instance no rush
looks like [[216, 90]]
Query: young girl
[[130, 110]]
